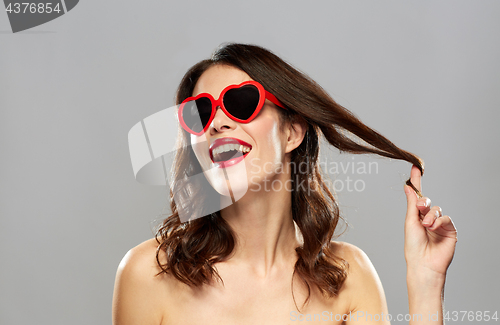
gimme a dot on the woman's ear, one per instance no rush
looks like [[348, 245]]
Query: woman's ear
[[296, 132]]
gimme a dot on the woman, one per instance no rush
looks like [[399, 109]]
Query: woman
[[267, 256]]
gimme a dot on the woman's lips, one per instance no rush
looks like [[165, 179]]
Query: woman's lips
[[230, 162], [236, 159]]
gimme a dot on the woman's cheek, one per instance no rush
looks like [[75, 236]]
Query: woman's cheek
[[275, 143], [200, 148]]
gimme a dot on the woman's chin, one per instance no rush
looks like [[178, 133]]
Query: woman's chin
[[229, 182], [232, 188]]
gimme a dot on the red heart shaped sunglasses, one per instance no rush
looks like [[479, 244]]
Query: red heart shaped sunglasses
[[242, 103]]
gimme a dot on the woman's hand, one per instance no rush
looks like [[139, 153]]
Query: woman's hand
[[430, 237]]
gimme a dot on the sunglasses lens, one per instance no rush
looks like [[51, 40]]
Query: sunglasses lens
[[242, 102], [196, 113]]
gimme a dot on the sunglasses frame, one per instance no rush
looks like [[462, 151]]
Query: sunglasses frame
[[263, 95]]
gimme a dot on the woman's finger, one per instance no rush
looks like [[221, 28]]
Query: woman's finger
[[445, 223], [416, 178], [412, 213], [424, 205], [434, 213]]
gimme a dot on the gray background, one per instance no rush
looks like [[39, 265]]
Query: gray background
[[424, 73]]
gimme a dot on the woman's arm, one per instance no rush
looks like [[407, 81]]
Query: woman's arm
[[430, 240]]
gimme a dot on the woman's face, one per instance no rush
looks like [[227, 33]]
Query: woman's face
[[262, 137]]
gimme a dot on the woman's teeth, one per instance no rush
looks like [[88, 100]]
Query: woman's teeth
[[220, 153]]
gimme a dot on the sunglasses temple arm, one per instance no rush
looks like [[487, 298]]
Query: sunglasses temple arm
[[275, 100]]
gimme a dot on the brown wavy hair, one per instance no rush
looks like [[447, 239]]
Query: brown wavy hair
[[193, 247]]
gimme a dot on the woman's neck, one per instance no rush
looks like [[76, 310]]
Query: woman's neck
[[265, 232]]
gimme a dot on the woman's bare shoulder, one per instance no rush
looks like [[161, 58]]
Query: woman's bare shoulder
[[140, 265], [141, 257], [139, 290], [349, 252], [359, 264], [362, 283]]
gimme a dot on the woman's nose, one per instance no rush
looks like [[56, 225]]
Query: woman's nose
[[221, 122]]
